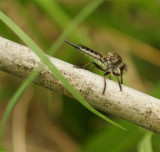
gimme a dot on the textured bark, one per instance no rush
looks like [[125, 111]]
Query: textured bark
[[128, 104]]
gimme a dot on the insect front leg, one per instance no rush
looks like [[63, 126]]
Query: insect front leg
[[105, 82], [121, 79], [120, 86]]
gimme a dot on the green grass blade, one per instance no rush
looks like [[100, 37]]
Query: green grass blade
[[145, 145], [86, 11], [54, 11], [112, 139], [54, 70], [52, 8], [15, 99]]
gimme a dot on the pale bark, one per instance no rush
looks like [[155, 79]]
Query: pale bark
[[129, 104]]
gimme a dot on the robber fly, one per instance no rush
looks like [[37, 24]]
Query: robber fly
[[111, 63]]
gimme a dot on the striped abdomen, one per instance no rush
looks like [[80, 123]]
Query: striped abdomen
[[90, 52], [98, 57]]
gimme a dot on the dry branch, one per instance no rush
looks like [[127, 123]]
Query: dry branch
[[130, 104]]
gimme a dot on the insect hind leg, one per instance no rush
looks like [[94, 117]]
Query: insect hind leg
[[84, 66], [95, 65]]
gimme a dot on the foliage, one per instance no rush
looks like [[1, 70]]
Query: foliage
[[105, 25]]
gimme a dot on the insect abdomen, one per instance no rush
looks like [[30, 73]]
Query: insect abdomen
[[91, 53], [96, 56]]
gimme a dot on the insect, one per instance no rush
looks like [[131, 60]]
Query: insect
[[110, 63]]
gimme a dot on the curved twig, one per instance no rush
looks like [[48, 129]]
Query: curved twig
[[130, 104]]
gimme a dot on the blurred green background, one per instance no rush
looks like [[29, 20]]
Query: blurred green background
[[44, 121]]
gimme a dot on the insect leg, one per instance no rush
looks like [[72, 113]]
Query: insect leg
[[105, 82], [120, 86], [87, 64], [97, 66], [91, 69], [110, 77], [121, 79], [84, 66]]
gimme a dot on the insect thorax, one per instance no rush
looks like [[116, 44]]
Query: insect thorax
[[112, 63]]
